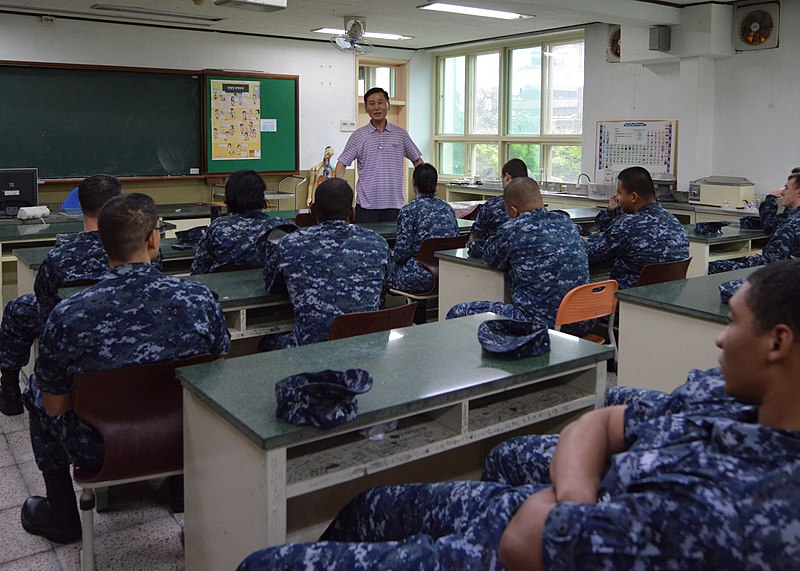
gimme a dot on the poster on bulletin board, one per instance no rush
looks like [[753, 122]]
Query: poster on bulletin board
[[622, 144], [251, 122]]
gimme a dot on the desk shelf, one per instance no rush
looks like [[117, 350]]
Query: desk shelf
[[258, 321], [341, 458]]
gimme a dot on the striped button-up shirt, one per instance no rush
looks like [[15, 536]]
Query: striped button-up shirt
[[380, 156]]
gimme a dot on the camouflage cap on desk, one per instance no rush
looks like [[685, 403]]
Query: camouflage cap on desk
[[512, 339], [323, 399]]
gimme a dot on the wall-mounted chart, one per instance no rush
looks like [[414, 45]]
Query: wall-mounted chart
[[622, 144]]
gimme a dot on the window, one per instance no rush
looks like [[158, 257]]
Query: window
[[523, 100]]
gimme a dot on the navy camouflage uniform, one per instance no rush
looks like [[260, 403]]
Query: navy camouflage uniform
[[328, 269], [134, 315], [427, 216], [768, 213], [782, 244], [544, 257], [702, 485], [241, 239], [650, 236], [605, 218], [490, 217], [73, 258]]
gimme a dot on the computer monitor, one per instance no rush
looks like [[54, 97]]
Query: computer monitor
[[18, 188]]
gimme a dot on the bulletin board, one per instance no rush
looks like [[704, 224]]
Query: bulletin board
[[622, 144], [251, 122]]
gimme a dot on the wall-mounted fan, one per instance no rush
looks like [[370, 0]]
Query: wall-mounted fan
[[613, 48], [352, 40], [756, 26]]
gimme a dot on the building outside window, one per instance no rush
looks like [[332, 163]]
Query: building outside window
[[523, 100]]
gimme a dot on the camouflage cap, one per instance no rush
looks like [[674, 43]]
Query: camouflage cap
[[510, 339], [323, 399]]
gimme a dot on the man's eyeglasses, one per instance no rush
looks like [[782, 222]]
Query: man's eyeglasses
[[161, 228]]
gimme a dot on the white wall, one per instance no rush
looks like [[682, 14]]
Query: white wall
[[327, 76], [746, 126]]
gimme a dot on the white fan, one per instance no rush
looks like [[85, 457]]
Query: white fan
[[613, 48], [352, 40]]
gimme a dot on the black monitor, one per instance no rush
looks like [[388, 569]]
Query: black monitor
[[18, 188]]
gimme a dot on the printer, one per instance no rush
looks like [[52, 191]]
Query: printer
[[717, 190]]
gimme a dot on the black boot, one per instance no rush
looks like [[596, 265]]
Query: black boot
[[10, 397], [56, 516]]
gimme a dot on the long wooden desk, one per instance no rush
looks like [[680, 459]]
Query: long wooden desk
[[253, 480], [29, 260], [734, 243], [667, 329]]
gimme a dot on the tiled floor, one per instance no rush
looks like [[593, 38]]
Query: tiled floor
[[138, 531]]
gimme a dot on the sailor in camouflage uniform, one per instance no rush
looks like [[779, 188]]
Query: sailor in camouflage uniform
[[605, 218], [74, 258], [493, 212], [771, 220], [542, 253], [649, 236], [782, 244], [427, 216], [703, 479], [328, 269], [134, 315], [246, 234]]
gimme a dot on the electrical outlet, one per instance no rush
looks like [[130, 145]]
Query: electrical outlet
[[347, 126]]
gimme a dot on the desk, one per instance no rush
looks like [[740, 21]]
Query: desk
[[462, 279], [667, 329], [29, 260], [249, 476], [733, 243]]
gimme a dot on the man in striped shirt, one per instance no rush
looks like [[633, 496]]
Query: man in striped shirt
[[380, 148]]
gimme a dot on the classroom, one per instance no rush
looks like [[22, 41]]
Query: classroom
[[679, 65]]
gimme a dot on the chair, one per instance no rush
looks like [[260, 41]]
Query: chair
[[590, 301], [233, 268], [430, 262], [663, 272], [305, 219], [138, 412], [363, 322], [281, 194]]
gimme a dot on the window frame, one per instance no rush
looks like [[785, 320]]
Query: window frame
[[503, 139]]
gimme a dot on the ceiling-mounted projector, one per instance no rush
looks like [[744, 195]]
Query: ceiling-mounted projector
[[260, 5]]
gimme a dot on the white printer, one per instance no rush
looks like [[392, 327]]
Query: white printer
[[716, 190]]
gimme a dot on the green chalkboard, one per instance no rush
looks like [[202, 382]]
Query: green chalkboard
[[235, 106], [74, 121]]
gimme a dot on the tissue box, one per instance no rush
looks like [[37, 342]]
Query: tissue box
[[601, 191]]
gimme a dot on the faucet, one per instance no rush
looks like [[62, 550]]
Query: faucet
[[588, 178]]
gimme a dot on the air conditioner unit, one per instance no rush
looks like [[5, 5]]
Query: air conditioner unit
[[260, 5]]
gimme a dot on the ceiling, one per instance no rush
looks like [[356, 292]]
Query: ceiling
[[429, 29]]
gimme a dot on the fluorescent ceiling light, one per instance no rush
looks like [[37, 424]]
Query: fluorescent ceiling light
[[148, 12], [373, 35], [472, 11]]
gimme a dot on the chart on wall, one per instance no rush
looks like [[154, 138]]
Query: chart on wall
[[235, 120], [622, 144], [251, 122]]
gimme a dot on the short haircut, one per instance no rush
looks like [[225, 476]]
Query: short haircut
[[244, 190], [638, 180], [515, 168], [373, 91], [795, 178], [521, 190], [125, 224], [95, 191], [773, 295], [333, 200], [795, 170], [425, 178]]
